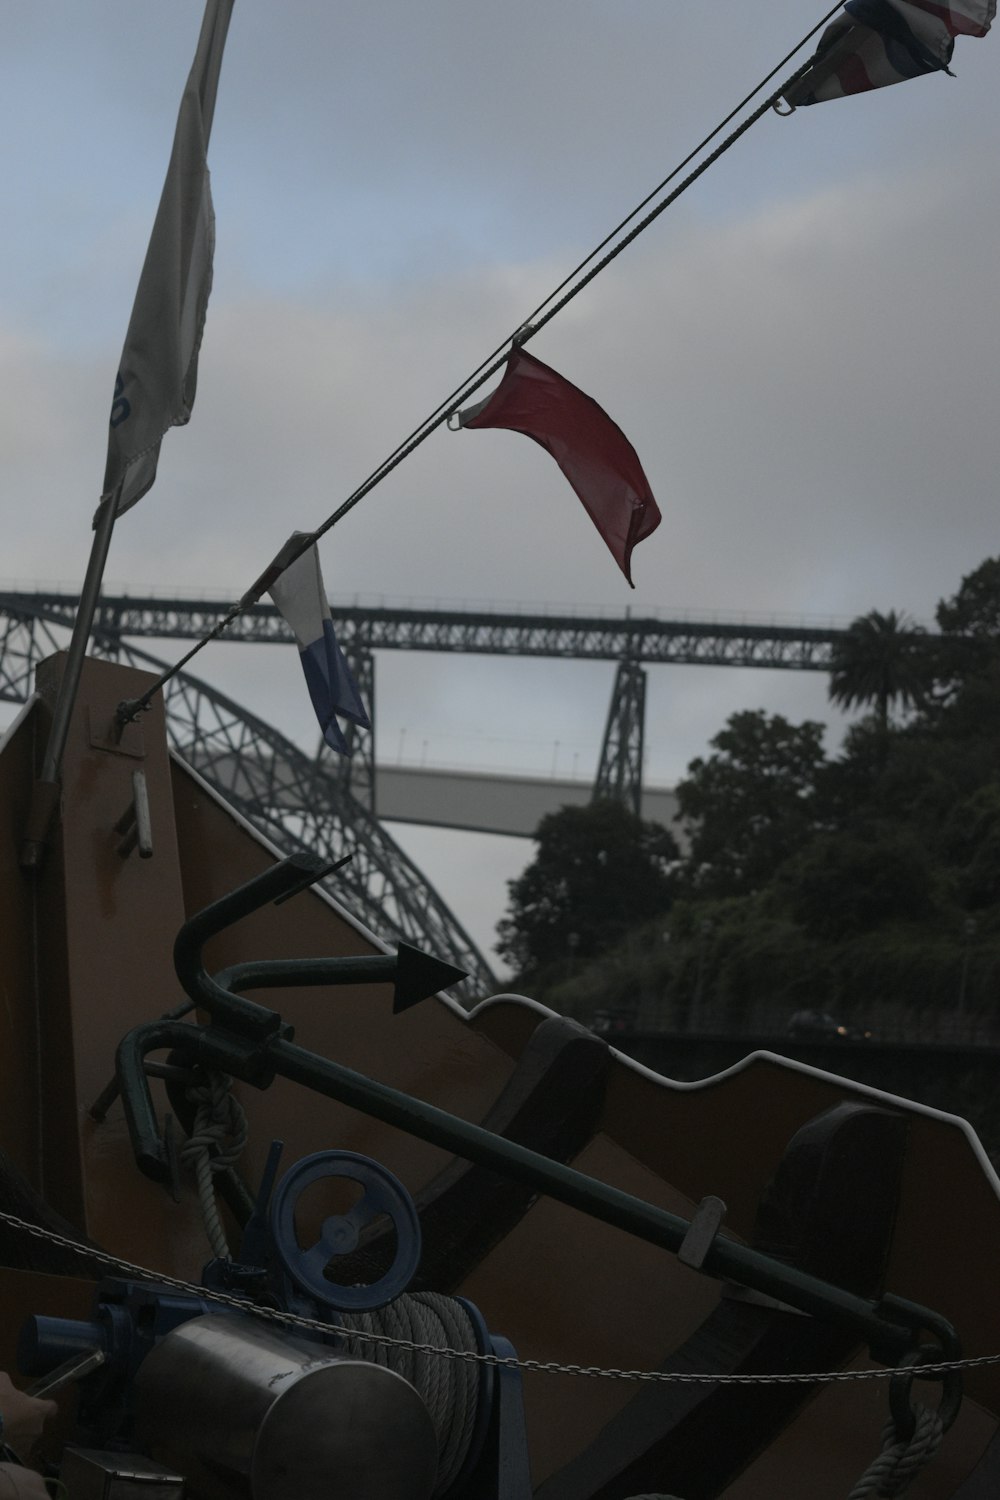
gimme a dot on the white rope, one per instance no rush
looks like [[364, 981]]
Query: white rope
[[538, 1366], [900, 1462], [220, 1117]]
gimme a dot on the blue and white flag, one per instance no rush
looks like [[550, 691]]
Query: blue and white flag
[[301, 598]]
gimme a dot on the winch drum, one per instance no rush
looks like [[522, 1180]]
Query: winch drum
[[242, 1409]]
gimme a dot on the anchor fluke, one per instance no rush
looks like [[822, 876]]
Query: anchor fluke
[[420, 975]]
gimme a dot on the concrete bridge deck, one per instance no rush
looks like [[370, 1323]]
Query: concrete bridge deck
[[483, 803]]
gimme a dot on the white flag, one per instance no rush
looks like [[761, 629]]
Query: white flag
[[158, 374]]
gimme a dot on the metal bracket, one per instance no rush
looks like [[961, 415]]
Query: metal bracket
[[135, 823], [904, 1413], [114, 738], [733, 1292], [705, 1225]]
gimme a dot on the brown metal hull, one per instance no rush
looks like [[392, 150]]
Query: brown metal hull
[[85, 954]]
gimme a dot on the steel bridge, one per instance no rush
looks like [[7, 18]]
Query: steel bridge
[[646, 640], [329, 803]]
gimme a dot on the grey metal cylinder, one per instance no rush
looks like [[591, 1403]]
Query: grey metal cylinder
[[243, 1409]]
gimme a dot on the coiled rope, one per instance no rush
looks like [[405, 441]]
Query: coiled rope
[[901, 1460], [449, 1388], [215, 1143]]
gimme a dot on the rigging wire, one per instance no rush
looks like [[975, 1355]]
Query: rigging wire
[[546, 310], [459, 394]]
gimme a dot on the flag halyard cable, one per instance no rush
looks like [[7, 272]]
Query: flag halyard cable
[[569, 287]]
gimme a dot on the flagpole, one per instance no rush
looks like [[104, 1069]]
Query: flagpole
[[45, 791]]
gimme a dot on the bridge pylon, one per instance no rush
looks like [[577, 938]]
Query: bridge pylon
[[619, 771]]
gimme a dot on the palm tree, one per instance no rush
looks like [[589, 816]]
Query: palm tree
[[880, 660]]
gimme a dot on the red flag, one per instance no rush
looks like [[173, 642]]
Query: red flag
[[592, 451]]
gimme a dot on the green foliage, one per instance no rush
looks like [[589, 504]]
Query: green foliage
[[624, 980], [599, 870], [843, 884], [968, 656], [867, 886], [750, 805], [881, 660], [970, 839], [975, 609]]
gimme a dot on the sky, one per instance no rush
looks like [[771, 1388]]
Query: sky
[[802, 349]]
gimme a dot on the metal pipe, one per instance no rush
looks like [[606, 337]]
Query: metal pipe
[[255, 1045], [294, 973], [43, 802], [297, 871], [725, 1259]]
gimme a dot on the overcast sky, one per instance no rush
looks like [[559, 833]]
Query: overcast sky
[[802, 349]]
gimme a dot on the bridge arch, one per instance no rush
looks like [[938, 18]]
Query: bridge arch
[[290, 797]]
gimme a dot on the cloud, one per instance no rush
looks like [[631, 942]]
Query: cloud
[[810, 396], [807, 372]]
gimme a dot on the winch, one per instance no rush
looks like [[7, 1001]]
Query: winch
[[242, 1403]]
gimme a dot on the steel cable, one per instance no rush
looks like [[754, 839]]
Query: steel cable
[[536, 320], [449, 1389]]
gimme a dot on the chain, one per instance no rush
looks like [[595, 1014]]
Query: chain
[[537, 1366]]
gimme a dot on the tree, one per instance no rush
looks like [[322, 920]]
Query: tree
[[599, 870], [750, 805], [975, 609], [880, 660], [845, 883], [969, 649], [971, 844]]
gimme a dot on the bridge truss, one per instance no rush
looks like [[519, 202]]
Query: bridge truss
[[644, 641], [327, 804]]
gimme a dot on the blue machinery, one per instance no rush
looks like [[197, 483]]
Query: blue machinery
[[236, 1403]]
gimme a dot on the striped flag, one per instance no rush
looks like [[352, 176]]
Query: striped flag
[[879, 42], [300, 596], [156, 381]]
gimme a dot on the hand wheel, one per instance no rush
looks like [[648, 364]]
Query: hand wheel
[[340, 1234]]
